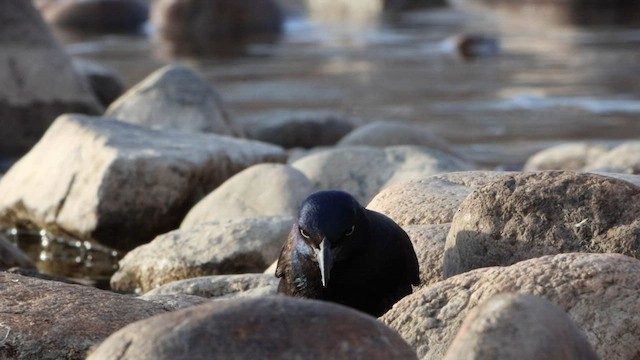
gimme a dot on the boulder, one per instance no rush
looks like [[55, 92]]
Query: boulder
[[260, 190], [430, 200], [390, 133], [174, 97], [174, 302], [95, 15], [275, 327], [597, 291], [219, 286], [364, 171], [120, 184], [106, 85], [52, 320], [428, 243], [215, 27], [39, 81], [527, 215], [231, 246], [570, 156], [12, 256], [298, 129], [624, 158], [517, 326]]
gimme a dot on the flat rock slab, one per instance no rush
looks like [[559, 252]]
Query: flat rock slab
[[231, 246], [260, 190], [431, 200], [518, 326], [219, 286], [120, 184], [53, 320], [527, 215], [275, 327], [364, 171], [598, 291]]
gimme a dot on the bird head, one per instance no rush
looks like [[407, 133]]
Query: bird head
[[331, 223]]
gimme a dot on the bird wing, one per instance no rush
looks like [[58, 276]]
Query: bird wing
[[285, 256]]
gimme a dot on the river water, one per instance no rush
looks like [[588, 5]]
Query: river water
[[547, 85]]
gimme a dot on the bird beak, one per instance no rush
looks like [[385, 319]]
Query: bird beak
[[325, 261]]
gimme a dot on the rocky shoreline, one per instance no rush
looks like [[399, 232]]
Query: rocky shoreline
[[539, 262]]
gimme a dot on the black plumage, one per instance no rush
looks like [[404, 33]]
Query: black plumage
[[339, 251]]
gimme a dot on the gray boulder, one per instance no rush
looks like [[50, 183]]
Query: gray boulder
[[571, 156], [231, 246], [39, 81], [517, 326], [597, 291], [260, 190], [429, 200], [174, 97], [219, 286], [364, 171], [293, 129], [527, 215], [428, 243], [50, 320], [120, 184], [267, 328], [624, 158]]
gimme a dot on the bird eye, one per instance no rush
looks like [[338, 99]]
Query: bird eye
[[304, 234], [350, 232]]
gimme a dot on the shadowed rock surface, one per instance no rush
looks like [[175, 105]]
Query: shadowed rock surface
[[269, 328], [597, 291], [527, 215]]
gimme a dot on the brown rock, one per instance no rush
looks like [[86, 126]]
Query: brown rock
[[118, 183], [527, 215], [597, 291], [430, 200], [39, 81], [268, 328], [52, 320], [516, 326]]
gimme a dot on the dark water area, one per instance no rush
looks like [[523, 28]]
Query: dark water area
[[548, 84]]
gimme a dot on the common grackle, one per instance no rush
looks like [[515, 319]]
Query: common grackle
[[339, 251]]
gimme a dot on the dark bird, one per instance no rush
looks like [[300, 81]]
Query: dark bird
[[339, 251]]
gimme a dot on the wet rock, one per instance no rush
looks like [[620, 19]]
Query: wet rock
[[624, 158], [596, 290], [260, 190], [174, 97], [571, 156], [39, 82], [106, 85], [231, 246], [428, 242], [272, 328], [11, 255], [527, 215], [220, 286], [52, 320], [516, 326], [364, 171], [389, 133], [215, 27], [292, 129], [118, 183], [430, 200], [95, 15]]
